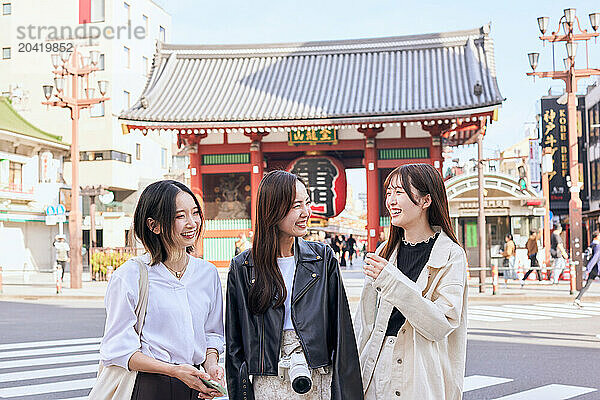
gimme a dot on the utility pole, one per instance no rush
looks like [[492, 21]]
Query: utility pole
[[481, 214], [570, 76], [77, 67]]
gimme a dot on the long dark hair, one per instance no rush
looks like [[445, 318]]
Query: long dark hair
[[427, 181], [276, 194], [157, 201]]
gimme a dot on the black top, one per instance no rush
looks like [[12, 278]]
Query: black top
[[411, 261]]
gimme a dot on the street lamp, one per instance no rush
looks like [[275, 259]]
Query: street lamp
[[78, 69], [543, 24], [533, 60], [570, 15], [595, 21], [570, 76], [103, 87]]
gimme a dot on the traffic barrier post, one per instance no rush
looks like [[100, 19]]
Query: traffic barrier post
[[58, 272], [494, 279], [572, 283]]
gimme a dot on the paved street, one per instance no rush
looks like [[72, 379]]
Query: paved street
[[49, 350]]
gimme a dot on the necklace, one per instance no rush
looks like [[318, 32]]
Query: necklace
[[178, 274], [407, 243]]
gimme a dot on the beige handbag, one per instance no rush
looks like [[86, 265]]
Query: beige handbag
[[114, 382]]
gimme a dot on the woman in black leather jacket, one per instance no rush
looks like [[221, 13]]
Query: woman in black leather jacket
[[286, 303]]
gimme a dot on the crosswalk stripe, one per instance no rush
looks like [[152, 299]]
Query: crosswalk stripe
[[525, 309], [558, 312], [62, 342], [75, 398], [570, 307], [549, 392], [550, 313], [31, 362], [48, 373], [486, 319], [54, 387], [500, 313], [574, 311], [475, 382], [595, 306], [51, 350]]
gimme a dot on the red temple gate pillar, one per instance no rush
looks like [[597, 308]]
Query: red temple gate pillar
[[372, 172], [436, 153], [196, 172], [256, 174]]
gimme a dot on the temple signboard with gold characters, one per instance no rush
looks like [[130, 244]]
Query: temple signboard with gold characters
[[313, 136]]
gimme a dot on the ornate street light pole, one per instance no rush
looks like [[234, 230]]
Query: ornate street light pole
[[78, 68], [570, 76]]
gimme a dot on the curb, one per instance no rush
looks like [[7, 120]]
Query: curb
[[48, 297]]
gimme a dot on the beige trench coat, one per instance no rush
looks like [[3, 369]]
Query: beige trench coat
[[434, 336]]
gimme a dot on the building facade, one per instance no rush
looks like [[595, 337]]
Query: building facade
[[129, 32], [509, 209], [31, 165], [316, 109], [592, 186]]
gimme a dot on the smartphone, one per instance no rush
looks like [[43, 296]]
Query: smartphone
[[214, 385]]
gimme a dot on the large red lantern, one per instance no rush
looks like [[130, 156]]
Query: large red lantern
[[326, 179]]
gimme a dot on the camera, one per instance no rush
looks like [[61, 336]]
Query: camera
[[297, 369]]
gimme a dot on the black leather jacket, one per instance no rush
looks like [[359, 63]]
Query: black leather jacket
[[320, 315]]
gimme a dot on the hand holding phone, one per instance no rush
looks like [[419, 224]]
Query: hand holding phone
[[214, 385]]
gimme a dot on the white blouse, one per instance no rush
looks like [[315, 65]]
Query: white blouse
[[287, 266], [184, 317]]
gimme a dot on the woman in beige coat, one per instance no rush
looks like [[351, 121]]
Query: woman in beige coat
[[411, 323]]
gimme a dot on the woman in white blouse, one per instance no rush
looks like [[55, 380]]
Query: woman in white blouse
[[183, 331]]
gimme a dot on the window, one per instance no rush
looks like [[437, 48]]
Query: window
[[162, 34], [126, 97], [163, 158], [102, 155], [138, 151], [101, 63], [5, 53], [6, 9], [15, 175], [97, 10], [126, 54], [97, 110], [144, 65], [127, 12]]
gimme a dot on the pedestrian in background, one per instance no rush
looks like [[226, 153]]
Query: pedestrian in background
[[592, 267], [558, 253], [62, 253], [509, 262], [183, 330], [412, 318], [335, 246], [351, 245], [532, 250], [343, 250], [285, 298]]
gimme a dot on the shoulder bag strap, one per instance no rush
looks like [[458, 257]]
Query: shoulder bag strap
[[140, 308]]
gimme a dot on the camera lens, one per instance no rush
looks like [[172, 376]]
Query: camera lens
[[301, 384]]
